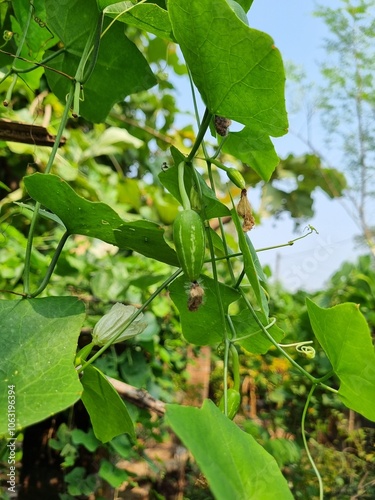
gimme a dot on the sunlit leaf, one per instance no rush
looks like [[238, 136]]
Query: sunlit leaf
[[238, 70], [108, 413], [146, 16], [205, 326], [343, 333], [235, 465], [38, 341], [120, 69], [98, 220]]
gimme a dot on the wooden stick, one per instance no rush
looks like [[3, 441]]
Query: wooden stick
[[26, 133], [138, 397]]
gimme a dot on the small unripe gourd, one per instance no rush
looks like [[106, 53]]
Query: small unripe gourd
[[189, 240], [233, 403]]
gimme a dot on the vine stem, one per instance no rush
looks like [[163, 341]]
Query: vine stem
[[25, 30], [18, 52], [235, 367], [199, 140], [201, 133], [131, 319], [273, 341], [305, 441], [181, 186], [52, 266], [29, 245]]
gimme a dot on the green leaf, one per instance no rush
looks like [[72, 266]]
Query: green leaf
[[256, 342], [235, 465], [147, 16], [98, 220], [208, 317], [87, 439], [237, 70], [108, 413], [247, 250], [113, 475], [238, 10], [245, 4], [124, 4], [213, 207], [120, 69], [343, 333], [38, 341], [38, 37], [253, 148]]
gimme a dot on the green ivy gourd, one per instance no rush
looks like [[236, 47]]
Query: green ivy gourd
[[189, 239]]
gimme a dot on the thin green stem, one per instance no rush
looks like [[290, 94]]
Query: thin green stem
[[94, 51], [29, 245], [196, 112], [227, 255], [326, 376], [52, 266], [331, 389], [9, 93], [131, 319], [273, 341], [18, 52], [219, 164], [181, 186], [60, 131], [305, 441], [235, 367], [36, 65], [267, 327], [225, 375], [76, 98], [25, 30], [218, 151], [201, 133], [237, 285]]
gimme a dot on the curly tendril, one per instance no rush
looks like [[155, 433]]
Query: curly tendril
[[307, 350]]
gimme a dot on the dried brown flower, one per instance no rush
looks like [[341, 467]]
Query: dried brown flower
[[196, 294], [244, 210]]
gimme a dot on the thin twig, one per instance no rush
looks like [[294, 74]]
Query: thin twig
[[138, 397]]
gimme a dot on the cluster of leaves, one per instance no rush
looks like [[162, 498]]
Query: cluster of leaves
[[87, 62]]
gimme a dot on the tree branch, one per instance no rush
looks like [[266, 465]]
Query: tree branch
[[138, 397]]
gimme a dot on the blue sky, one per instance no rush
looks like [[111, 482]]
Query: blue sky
[[308, 264]]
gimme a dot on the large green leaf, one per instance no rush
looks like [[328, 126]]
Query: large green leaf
[[238, 70], [108, 413], [235, 465], [38, 341], [343, 333], [98, 220], [205, 326], [120, 69]]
